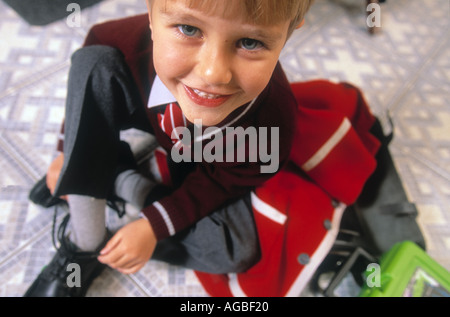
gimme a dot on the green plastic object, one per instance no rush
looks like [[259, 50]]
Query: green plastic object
[[406, 270]]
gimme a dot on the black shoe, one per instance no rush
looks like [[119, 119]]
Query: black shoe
[[69, 274], [40, 195]]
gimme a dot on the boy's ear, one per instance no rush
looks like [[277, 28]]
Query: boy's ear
[[149, 14], [148, 11], [300, 24]]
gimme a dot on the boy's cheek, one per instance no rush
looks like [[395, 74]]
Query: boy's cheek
[[165, 62], [258, 79], [169, 56]]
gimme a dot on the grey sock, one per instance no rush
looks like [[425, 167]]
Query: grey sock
[[88, 221], [133, 187]]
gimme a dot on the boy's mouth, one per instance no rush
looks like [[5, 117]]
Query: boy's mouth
[[205, 94], [206, 99]]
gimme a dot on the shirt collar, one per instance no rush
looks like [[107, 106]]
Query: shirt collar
[[159, 94]]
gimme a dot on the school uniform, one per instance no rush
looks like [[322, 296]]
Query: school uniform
[[326, 153], [108, 91]]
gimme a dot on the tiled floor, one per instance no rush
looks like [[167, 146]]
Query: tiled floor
[[403, 69]]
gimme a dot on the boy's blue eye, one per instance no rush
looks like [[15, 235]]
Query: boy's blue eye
[[188, 30], [250, 44]]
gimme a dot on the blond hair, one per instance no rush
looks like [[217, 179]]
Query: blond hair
[[263, 12]]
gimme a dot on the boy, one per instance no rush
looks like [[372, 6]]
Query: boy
[[215, 61]]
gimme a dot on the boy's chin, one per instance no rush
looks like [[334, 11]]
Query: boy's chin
[[205, 121]]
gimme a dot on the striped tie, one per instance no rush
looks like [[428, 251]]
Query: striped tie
[[172, 118]]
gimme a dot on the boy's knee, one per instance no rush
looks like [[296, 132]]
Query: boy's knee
[[245, 261], [233, 244], [236, 262]]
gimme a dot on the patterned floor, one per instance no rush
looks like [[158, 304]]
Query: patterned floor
[[402, 69]]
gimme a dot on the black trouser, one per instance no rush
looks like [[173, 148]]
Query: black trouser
[[103, 99]]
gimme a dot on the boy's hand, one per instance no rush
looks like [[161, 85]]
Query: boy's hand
[[130, 248]]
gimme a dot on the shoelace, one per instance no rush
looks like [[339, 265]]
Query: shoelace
[[118, 205], [65, 248]]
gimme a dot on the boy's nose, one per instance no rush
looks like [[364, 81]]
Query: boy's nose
[[214, 66]]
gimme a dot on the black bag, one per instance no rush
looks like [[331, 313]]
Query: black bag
[[383, 209], [381, 217]]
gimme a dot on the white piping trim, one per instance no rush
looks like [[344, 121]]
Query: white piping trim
[[321, 252], [165, 216], [267, 210], [328, 146], [235, 287], [161, 149]]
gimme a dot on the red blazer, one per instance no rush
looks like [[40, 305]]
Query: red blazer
[[298, 211], [327, 154]]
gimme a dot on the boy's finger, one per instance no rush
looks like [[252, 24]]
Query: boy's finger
[[112, 260], [122, 260], [110, 257], [110, 245]]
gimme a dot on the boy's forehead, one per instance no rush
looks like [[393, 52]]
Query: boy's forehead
[[229, 9], [224, 9]]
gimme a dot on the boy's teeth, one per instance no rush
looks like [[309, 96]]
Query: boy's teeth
[[204, 94]]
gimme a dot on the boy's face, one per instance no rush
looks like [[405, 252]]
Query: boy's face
[[211, 62]]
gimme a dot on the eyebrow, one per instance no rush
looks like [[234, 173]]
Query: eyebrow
[[266, 36], [253, 31], [175, 16]]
